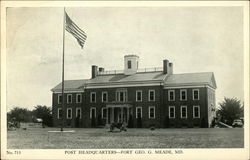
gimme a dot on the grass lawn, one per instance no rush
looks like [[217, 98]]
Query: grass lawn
[[83, 138]]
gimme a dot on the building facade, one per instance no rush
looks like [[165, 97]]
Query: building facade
[[139, 97]]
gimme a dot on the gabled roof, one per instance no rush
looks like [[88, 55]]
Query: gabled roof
[[121, 78], [70, 85], [191, 79]]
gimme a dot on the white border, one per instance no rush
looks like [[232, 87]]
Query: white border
[[136, 112], [218, 154]]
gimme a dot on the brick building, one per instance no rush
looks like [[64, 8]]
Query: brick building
[[139, 97]]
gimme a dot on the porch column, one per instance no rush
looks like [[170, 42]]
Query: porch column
[[112, 115], [107, 115], [127, 114], [122, 114]]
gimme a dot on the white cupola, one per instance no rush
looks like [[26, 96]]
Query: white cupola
[[130, 64]]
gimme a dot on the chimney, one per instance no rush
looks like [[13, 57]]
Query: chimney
[[165, 66], [101, 69], [170, 68], [94, 71]]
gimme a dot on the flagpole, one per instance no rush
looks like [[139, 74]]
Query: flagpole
[[63, 71]]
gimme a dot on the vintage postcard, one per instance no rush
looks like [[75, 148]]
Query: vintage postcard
[[124, 80]]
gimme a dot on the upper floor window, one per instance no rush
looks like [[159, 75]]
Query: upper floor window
[[196, 95], [59, 98], [78, 113], [183, 94], [196, 111], [138, 112], [151, 95], [78, 98], [171, 95], [104, 96], [171, 112], [92, 97], [183, 111], [129, 64], [121, 96], [69, 98], [59, 113], [151, 112], [138, 96], [92, 112], [69, 113]]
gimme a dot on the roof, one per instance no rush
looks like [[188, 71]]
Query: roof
[[169, 80], [191, 78], [121, 78], [70, 85]]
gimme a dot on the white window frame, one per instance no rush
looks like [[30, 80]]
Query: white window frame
[[149, 112], [68, 114], [194, 111], [198, 94], [91, 93], [169, 95], [68, 98], [78, 108], [92, 108], [79, 94], [58, 113], [106, 96], [186, 111], [59, 98], [169, 112], [125, 93], [136, 111], [185, 94], [103, 112], [149, 95], [136, 98]]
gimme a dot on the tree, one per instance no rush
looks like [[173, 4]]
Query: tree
[[44, 113], [20, 114], [230, 109]]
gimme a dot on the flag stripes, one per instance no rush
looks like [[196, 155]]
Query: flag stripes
[[72, 28]]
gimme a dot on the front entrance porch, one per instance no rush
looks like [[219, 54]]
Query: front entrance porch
[[118, 113]]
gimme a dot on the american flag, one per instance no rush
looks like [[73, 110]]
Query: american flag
[[72, 28]]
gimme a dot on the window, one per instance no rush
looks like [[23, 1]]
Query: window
[[196, 111], [78, 113], [92, 112], [151, 95], [104, 96], [183, 95], [138, 96], [196, 95], [151, 112], [59, 113], [69, 113], [69, 98], [129, 64], [138, 112], [59, 98], [171, 95], [104, 112], [171, 112], [183, 111], [92, 97], [121, 96], [78, 98]]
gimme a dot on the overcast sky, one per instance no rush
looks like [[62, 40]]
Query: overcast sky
[[195, 39]]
